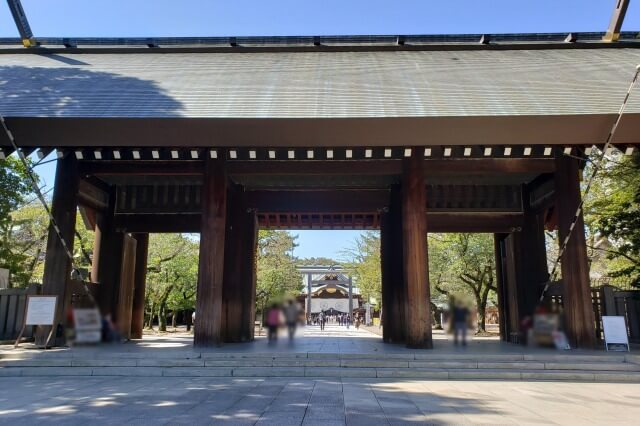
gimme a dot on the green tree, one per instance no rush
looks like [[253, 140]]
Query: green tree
[[27, 241], [363, 260], [14, 188], [278, 276], [612, 215], [464, 264], [172, 277]]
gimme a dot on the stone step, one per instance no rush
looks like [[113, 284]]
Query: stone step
[[312, 362], [337, 372], [426, 356]]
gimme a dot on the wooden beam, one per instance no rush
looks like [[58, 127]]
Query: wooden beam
[[141, 168], [416, 271], [432, 167], [617, 18], [474, 222], [578, 309], [158, 223], [581, 129], [317, 201], [208, 325], [140, 283], [57, 265], [438, 222], [91, 196]]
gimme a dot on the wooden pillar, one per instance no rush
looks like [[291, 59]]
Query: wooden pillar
[[239, 288], [97, 241], [503, 306], [208, 325], [532, 250], [308, 312], [351, 297], [57, 265], [509, 253], [249, 275], [140, 282], [391, 265], [578, 309], [109, 260], [126, 287], [416, 270], [233, 267]]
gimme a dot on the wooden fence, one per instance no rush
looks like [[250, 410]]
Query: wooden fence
[[609, 300], [12, 305]]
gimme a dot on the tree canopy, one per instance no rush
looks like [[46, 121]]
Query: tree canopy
[[278, 276], [612, 215]]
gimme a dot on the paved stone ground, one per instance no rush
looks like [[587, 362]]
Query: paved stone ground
[[155, 401]]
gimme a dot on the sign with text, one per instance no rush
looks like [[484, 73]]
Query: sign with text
[[41, 310], [615, 331]]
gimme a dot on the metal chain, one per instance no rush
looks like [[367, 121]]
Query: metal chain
[[597, 163], [34, 186]]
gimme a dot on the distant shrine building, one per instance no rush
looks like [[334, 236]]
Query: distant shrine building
[[330, 290], [403, 134]]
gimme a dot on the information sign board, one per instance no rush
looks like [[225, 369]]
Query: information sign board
[[41, 310], [615, 331]]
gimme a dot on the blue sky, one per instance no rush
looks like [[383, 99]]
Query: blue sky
[[305, 17], [100, 18]]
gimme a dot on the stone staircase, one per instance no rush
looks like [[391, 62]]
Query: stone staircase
[[419, 365]]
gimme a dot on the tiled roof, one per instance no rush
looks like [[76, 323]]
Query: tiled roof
[[324, 84]]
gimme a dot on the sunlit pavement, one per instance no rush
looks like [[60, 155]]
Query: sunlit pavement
[[296, 401]]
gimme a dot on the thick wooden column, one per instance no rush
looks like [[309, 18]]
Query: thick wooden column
[[239, 288], [391, 265], [232, 275], [416, 270], [126, 287], [97, 241], [140, 282], [209, 315], [108, 261], [532, 271], [249, 275], [578, 309], [57, 265], [503, 306]]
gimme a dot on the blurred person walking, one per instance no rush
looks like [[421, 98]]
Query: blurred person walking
[[273, 320], [291, 314]]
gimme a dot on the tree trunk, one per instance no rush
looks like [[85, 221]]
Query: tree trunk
[[151, 311], [162, 317], [435, 312], [162, 309], [187, 319], [481, 303], [173, 320]]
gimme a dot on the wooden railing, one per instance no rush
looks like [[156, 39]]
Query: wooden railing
[[13, 302]]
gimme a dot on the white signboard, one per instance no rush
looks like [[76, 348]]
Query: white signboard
[[41, 310], [88, 325], [342, 305], [615, 331]]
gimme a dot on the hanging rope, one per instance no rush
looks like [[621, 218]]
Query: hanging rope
[[36, 189], [596, 163]]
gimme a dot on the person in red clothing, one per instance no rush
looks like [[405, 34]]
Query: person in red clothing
[[273, 321]]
